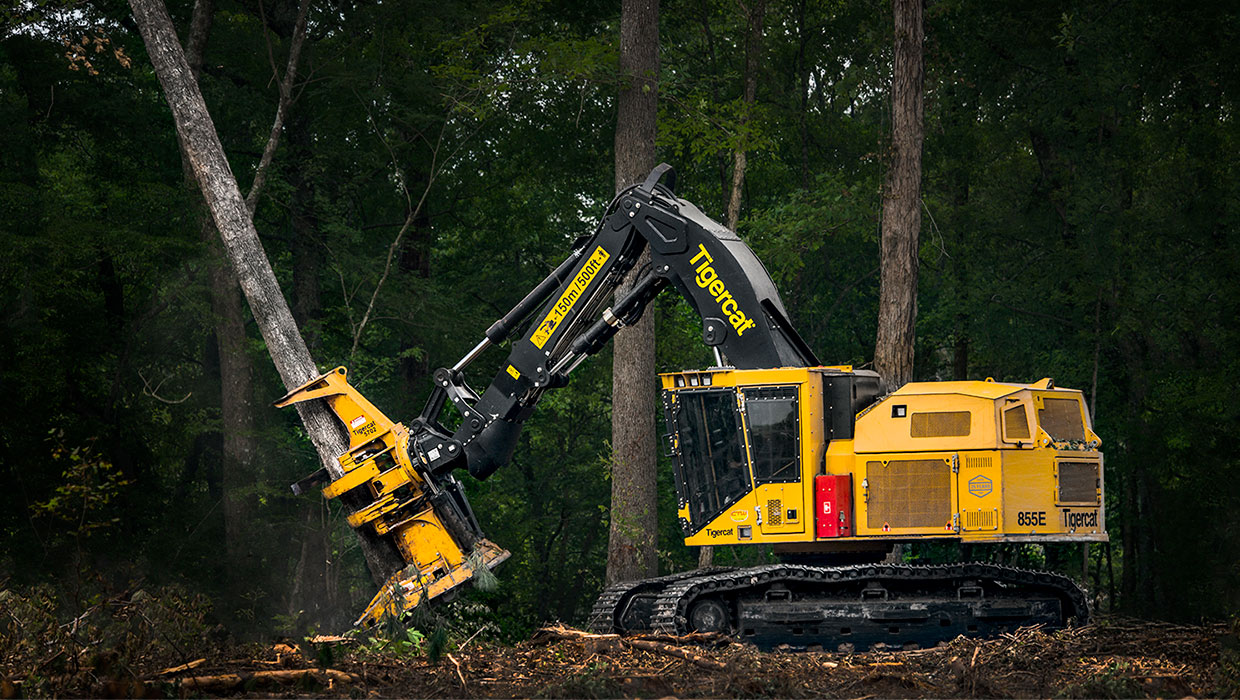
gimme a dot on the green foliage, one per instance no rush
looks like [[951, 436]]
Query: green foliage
[[89, 486], [1080, 222]]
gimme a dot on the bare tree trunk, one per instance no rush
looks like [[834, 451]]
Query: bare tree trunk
[[199, 141], [897, 297], [631, 550], [706, 556], [755, 15], [239, 460], [239, 449], [312, 600]]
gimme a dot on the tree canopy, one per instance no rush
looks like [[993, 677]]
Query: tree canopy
[[1080, 221]]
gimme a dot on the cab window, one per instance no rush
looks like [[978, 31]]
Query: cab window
[[774, 430], [1016, 423]]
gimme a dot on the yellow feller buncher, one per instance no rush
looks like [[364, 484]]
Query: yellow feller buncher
[[769, 447]]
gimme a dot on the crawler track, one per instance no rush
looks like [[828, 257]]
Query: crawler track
[[853, 607]]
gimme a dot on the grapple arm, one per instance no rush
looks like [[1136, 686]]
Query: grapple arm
[[392, 499]]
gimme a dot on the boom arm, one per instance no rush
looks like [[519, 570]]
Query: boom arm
[[397, 482], [718, 274]]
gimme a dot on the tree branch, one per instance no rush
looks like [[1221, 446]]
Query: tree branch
[[286, 92]]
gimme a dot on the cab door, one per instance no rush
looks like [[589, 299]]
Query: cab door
[[771, 416]]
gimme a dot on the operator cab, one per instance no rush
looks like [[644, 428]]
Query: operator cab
[[746, 444], [814, 457]]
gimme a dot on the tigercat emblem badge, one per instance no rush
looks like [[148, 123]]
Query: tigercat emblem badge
[[980, 486]]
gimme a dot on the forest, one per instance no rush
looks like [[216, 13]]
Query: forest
[[1080, 202]]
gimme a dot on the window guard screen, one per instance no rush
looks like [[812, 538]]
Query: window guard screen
[[1061, 419], [1015, 423], [774, 430], [941, 424]]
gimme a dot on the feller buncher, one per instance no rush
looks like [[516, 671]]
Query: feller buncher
[[769, 447]]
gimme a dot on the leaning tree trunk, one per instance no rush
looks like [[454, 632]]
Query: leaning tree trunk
[[897, 296], [634, 521], [201, 144]]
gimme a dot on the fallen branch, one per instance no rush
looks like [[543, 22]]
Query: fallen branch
[[458, 672], [228, 681], [679, 652], [183, 667], [600, 642]]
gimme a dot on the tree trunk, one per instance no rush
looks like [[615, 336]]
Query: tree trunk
[[634, 522], [897, 297], [313, 598], [201, 144], [755, 14], [239, 450], [239, 460], [706, 557], [803, 88]]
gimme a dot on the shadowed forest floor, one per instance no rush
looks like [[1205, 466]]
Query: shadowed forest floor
[[1113, 658]]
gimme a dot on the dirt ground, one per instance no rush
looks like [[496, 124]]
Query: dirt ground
[[1113, 658]]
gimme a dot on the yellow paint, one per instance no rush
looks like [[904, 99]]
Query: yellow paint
[[378, 464], [993, 474]]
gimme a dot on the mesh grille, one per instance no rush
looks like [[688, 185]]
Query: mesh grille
[[980, 520], [774, 512], [909, 493], [1078, 482], [941, 424], [1016, 423], [977, 462], [1061, 419]]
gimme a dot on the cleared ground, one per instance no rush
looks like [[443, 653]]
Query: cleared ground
[[1113, 658]]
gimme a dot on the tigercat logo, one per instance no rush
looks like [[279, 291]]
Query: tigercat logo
[[1075, 518], [709, 280], [570, 296], [719, 533]]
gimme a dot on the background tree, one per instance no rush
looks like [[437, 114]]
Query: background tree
[[634, 521], [232, 217], [897, 300], [1077, 194]]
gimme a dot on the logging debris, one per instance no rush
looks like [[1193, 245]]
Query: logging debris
[[1113, 658]]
